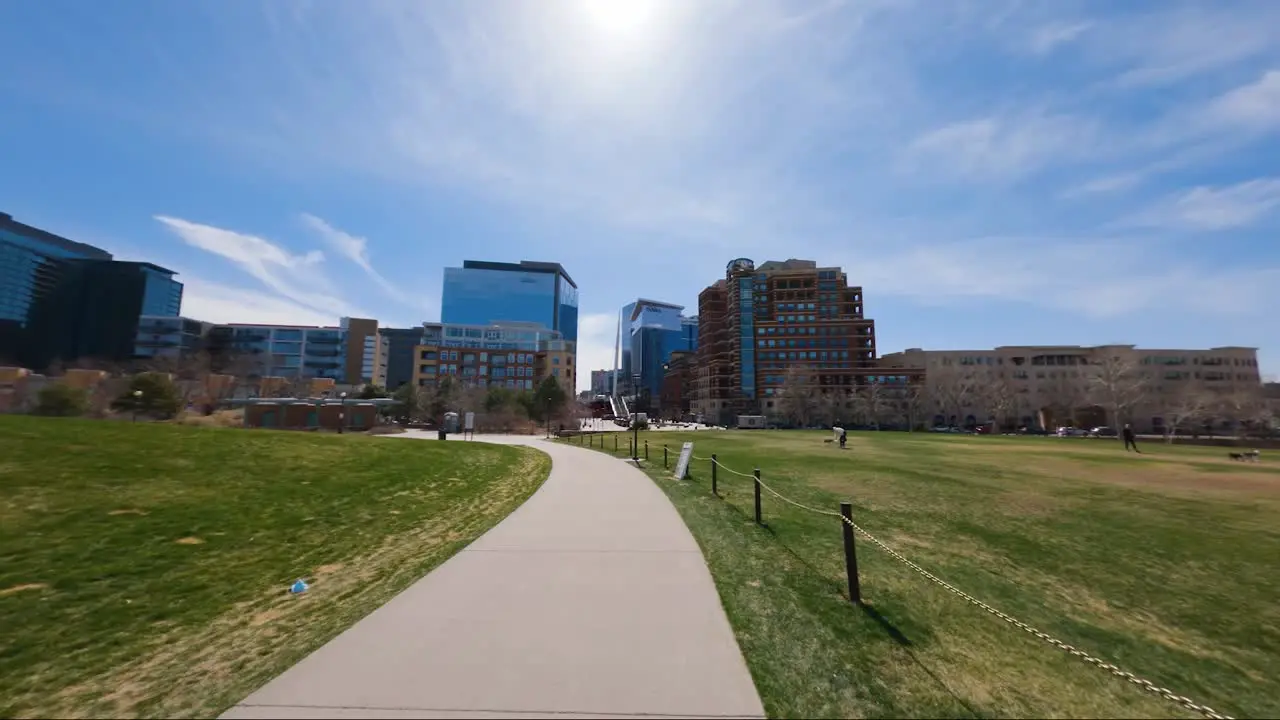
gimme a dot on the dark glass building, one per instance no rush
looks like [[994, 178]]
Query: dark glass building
[[400, 353], [93, 308], [30, 260], [487, 293]]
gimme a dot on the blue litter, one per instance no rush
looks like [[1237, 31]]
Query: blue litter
[[298, 587]]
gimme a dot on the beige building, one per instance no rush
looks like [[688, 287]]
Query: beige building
[[1072, 385]]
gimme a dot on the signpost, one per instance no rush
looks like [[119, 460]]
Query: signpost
[[682, 465], [469, 425]]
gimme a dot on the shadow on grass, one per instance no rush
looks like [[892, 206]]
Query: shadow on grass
[[890, 630]]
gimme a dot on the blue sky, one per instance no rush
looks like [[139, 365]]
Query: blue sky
[[991, 172]]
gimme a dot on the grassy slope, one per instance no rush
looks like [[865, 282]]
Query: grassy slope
[[143, 568], [1163, 564]]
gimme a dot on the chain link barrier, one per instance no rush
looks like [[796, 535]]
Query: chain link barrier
[[1129, 677]]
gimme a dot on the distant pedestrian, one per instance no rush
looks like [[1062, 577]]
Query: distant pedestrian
[[1129, 441], [844, 437]]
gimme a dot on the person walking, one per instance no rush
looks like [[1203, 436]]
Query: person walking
[[1129, 441], [844, 437]]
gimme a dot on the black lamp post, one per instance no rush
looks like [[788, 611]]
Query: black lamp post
[[342, 411], [635, 424], [137, 402]]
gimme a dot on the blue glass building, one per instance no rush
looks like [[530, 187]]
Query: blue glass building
[[485, 293], [649, 331], [30, 263]]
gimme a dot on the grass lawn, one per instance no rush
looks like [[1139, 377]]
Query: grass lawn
[[144, 567], [1165, 564]]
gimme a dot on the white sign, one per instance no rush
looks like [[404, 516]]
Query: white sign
[[470, 422], [682, 466]]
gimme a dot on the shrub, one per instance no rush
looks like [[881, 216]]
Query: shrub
[[151, 394], [60, 400]]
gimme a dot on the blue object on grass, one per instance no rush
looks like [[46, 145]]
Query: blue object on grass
[[298, 587]]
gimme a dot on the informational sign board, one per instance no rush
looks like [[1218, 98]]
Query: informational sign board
[[682, 466], [470, 422]]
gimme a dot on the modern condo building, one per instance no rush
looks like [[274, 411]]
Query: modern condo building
[[351, 352], [513, 355]]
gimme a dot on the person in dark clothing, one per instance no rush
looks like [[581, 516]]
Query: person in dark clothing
[[844, 436], [1129, 441]]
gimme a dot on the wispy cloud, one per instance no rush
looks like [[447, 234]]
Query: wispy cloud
[[1097, 278], [1212, 209], [298, 279], [1047, 38], [1001, 147], [220, 303], [356, 249], [1253, 107]]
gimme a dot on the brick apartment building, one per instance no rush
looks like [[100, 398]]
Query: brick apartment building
[[763, 326], [1053, 386], [675, 400]]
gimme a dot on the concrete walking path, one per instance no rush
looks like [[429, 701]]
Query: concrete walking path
[[590, 600]]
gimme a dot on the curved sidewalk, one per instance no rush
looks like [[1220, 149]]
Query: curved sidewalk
[[590, 600]]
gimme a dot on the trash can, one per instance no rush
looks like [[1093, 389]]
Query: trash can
[[440, 434]]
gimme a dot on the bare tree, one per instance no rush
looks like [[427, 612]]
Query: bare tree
[[872, 402], [1186, 407], [1063, 395], [954, 390], [996, 397], [1116, 383], [829, 407], [799, 402], [913, 400]]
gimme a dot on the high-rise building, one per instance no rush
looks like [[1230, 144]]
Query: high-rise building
[[30, 261], [649, 331], [513, 355], [765, 326], [93, 310], [485, 293], [602, 381], [400, 344]]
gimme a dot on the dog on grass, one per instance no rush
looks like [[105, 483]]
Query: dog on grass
[[1247, 456]]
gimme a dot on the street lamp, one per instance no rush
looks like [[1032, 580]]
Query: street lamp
[[137, 401], [635, 424], [342, 411]]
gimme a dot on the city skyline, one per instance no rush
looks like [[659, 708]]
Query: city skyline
[[1080, 173]]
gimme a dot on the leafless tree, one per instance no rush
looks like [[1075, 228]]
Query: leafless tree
[[872, 402], [799, 401], [1116, 383], [1186, 407], [913, 401], [953, 389], [996, 396], [1063, 395]]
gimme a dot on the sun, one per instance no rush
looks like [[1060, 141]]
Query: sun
[[618, 17]]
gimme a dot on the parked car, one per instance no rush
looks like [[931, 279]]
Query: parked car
[[1102, 431], [1070, 432]]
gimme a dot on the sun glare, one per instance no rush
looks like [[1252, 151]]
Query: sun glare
[[618, 17]]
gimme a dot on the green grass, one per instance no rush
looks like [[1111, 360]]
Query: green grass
[[1164, 564], [144, 568]]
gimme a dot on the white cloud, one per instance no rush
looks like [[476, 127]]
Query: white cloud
[[356, 249], [1100, 279], [1211, 209], [1001, 147], [296, 278], [1048, 38], [218, 303], [1254, 107], [1108, 184], [596, 339]]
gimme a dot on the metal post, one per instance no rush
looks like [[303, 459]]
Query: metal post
[[646, 449], [615, 442], [757, 484], [664, 457], [850, 553], [713, 474]]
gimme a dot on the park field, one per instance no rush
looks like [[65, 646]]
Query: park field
[[144, 567], [1164, 564]]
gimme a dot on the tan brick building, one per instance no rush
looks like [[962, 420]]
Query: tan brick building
[[517, 356], [1072, 385]]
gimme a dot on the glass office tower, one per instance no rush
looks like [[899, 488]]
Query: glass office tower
[[30, 261], [649, 332], [485, 293]]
